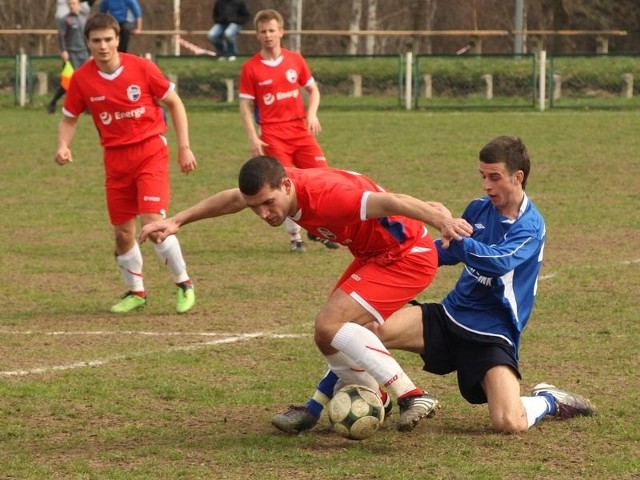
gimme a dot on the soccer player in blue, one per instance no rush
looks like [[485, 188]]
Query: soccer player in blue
[[475, 331]]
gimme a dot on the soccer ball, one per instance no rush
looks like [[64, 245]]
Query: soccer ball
[[356, 412]]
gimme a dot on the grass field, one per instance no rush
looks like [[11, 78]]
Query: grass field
[[153, 395]]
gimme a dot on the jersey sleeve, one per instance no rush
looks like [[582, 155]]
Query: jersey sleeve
[[159, 85], [74, 103], [246, 87], [517, 246], [305, 77]]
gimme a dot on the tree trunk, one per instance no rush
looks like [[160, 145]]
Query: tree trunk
[[295, 40], [372, 24], [354, 26]]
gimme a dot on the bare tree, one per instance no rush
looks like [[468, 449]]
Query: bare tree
[[354, 26], [295, 41], [372, 24]]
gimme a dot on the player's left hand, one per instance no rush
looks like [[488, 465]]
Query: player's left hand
[[187, 160], [158, 231], [313, 124], [454, 229]]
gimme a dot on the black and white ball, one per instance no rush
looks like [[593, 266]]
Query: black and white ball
[[356, 412]]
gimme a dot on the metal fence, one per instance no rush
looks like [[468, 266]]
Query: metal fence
[[382, 82]]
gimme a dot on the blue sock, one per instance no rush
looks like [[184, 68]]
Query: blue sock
[[314, 408], [327, 384], [323, 394], [551, 401]]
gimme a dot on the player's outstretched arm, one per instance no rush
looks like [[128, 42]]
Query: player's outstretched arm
[[383, 204], [222, 203]]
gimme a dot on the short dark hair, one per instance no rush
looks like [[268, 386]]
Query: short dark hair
[[511, 151], [260, 171], [101, 21]]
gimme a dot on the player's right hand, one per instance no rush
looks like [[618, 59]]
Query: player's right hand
[[63, 155]]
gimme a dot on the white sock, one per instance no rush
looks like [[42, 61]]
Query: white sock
[[365, 348], [536, 407], [130, 265], [293, 229], [171, 255], [349, 372]]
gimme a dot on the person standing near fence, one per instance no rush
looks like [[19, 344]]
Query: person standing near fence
[[270, 94], [73, 47], [228, 18], [128, 14], [121, 93], [62, 9]]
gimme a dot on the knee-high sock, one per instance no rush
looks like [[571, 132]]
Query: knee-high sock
[[363, 347], [171, 255], [130, 266], [349, 372], [293, 229]]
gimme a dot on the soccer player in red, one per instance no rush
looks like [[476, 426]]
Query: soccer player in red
[[271, 96], [394, 260], [121, 93]]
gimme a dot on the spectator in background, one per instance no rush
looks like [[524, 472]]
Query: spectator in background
[[128, 14], [228, 17], [62, 9], [73, 47]]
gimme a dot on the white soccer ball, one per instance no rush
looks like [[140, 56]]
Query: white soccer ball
[[356, 412]]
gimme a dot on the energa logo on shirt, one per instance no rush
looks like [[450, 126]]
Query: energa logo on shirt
[[106, 118], [269, 98]]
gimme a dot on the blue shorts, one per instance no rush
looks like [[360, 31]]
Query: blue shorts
[[448, 348]]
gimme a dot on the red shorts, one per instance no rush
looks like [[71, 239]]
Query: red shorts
[[293, 145], [383, 290], [137, 179]]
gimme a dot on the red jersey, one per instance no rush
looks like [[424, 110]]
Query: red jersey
[[124, 104], [332, 204], [274, 86]]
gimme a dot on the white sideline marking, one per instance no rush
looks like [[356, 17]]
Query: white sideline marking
[[104, 361], [196, 346], [629, 262]]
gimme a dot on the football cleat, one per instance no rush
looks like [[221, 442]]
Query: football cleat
[[413, 409], [568, 404], [297, 246], [295, 420], [327, 243], [129, 302], [185, 298]]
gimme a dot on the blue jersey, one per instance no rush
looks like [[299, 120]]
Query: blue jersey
[[120, 9], [495, 292]]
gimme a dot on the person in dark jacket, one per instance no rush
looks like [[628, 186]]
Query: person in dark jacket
[[228, 18]]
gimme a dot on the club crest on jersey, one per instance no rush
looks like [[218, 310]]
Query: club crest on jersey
[[133, 93], [292, 75]]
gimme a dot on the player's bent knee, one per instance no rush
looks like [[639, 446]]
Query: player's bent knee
[[509, 424]]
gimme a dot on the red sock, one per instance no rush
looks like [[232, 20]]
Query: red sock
[[413, 393]]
